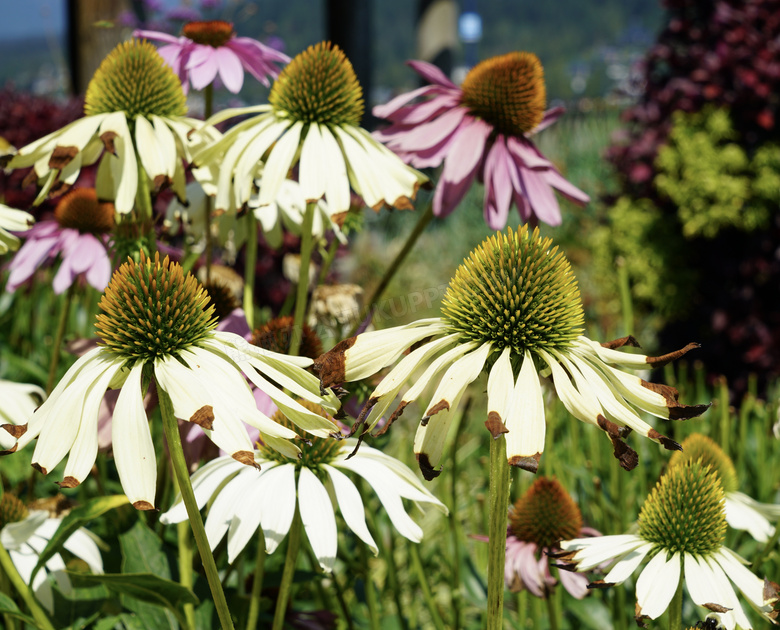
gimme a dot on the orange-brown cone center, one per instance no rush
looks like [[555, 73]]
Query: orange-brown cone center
[[81, 210], [545, 514], [214, 33], [507, 91]]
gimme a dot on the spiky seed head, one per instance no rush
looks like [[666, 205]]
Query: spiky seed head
[[545, 514], [12, 510], [222, 298], [507, 91], [214, 33], [315, 451], [152, 310], [319, 86], [698, 447], [81, 210], [276, 336], [134, 79], [685, 512], [515, 290]]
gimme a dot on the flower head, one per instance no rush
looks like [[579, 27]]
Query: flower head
[[210, 48], [25, 533], [312, 121], [12, 220], [243, 499], [134, 110], [513, 309], [538, 521], [681, 528], [156, 324], [78, 234], [742, 512], [482, 129]]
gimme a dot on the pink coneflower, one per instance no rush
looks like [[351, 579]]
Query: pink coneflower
[[482, 129], [78, 235], [538, 521], [208, 48]]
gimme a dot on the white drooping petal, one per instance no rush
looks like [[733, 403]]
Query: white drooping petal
[[750, 585], [205, 482], [248, 514], [582, 405], [313, 175], [591, 552], [319, 520], [387, 489], [627, 564], [350, 505], [14, 535], [248, 166], [657, 584], [525, 420], [336, 178], [501, 381], [708, 585], [228, 499], [742, 512], [123, 165], [279, 506], [150, 151], [279, 162], [81, 544], [134, 454]]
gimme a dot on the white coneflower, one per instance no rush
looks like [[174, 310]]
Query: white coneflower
[[15, 221], [742, 512], [312, 121], [243, 499], [514, 309], [134, 115], [156, 324], [25, 533], [681, 529]]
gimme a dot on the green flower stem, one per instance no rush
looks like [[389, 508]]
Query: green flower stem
[[172, 437], [56, 349], [250, 262], [5, 588], [770, 546], [455, 591], [185, 568], [414, 554], [257, 582], [307, 244], [422, 223], [553, 614], [499, 506], [371, 599], [40, 616], [143, 203], [522, 608], [625, 297], [675, 608], [293, 546], [328, 260]]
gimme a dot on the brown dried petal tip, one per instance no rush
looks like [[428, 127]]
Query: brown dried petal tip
[[246, 457], [143, 505], [428, 471], [622, 341], [16, 430], [69, 482], [527, 463], [62, 156], [495, 425], [677, 411], [204, 417], [657, 362], [331, 366]]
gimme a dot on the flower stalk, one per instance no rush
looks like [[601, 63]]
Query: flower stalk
[[57, 346], [172, 437], [675, 608], [185, 568], [257, 582], [7, 566], [499, 505], [285, 588], [307, 243]]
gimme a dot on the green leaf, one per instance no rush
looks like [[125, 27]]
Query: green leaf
[[74, 520], [146, 587], [9, 607]]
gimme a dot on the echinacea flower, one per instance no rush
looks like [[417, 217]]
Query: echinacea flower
[[25, 533], [681, 528], [742, 512], [78, 234], [538, 521], [208, 48], [17, 402], [482, 129], [12, 220], [513, 309], [134, 123], [155, 324], [243, 498], [312, 120]]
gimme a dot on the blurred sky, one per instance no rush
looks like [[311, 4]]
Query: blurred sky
[[30, 18]]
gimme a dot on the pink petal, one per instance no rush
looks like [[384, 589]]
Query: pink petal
[[423, 137], [158, 36], [256, 58], [230, 69], [526, 153], [390, 109], [236, 323], [550, 116], [575, 583], [27, 260], [431, 73], [498, 184], [65, 276], [460, 166], [202, 66], [172, 55], [540, 196], [565, 187]]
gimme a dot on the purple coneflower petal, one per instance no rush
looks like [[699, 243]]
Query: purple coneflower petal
[[431, 73], [540, 196], [575, 583], [202, 66], [231, 70], [498, 184]]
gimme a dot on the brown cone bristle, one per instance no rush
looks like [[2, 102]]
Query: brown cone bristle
[[276, 336], [545, 514], [507, 91], [81, 210], [223, 299], [12, 510], [214, 33]]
